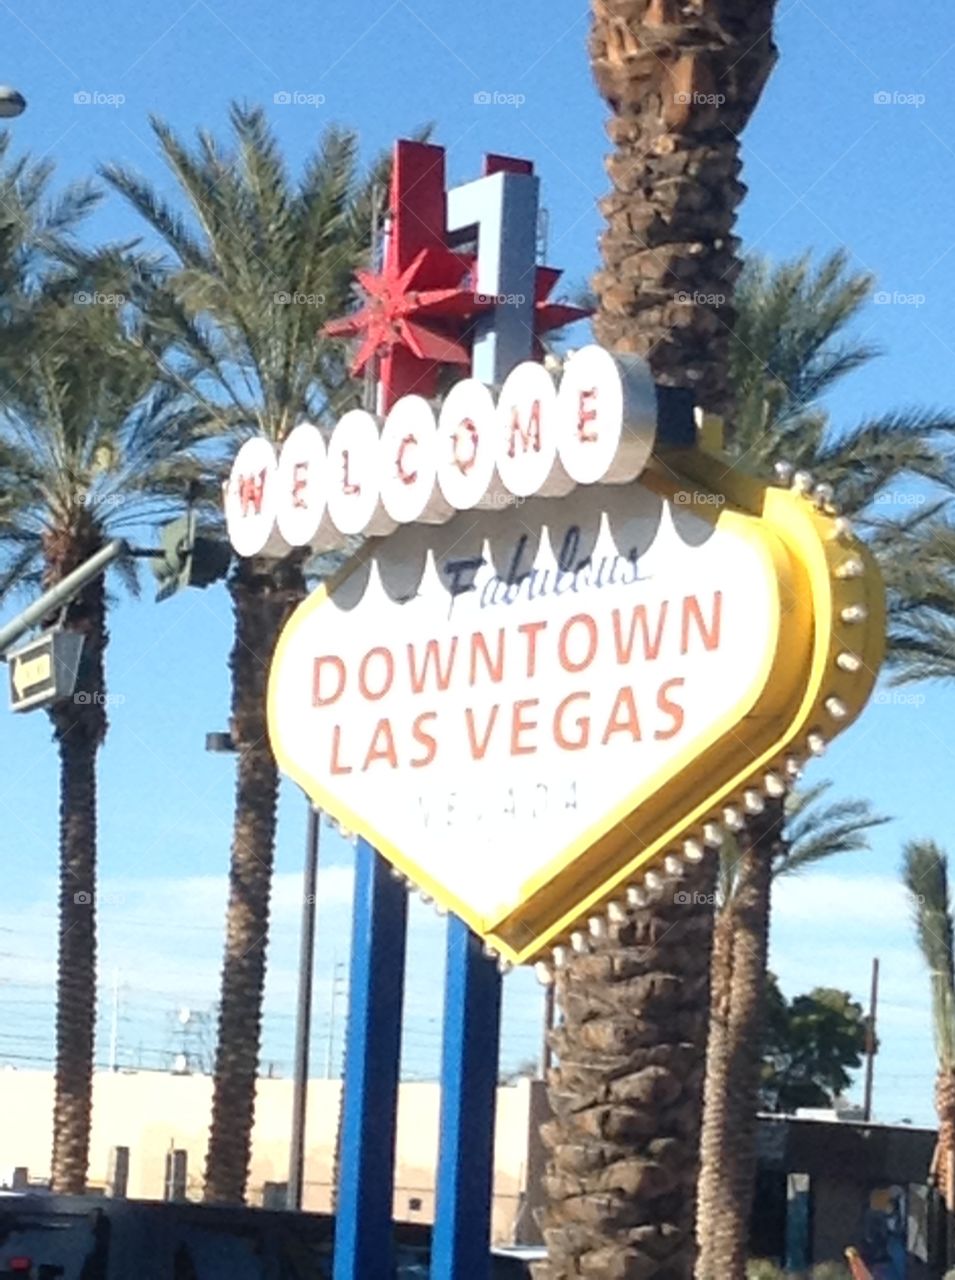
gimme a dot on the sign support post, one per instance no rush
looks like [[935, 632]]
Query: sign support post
[[460, 1247], [363, 1232]]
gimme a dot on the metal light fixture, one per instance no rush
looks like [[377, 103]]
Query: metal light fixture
[[12, 102]]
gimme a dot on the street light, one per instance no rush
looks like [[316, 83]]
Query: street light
[[12, 102]]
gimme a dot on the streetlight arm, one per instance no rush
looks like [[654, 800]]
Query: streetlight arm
[[60, 593]]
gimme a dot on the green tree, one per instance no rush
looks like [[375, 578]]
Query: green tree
[[256, 263], [811, 1044], [90, 448], [925, 875]]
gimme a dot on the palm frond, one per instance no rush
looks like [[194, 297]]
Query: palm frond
[[925, 875], [259, 262]]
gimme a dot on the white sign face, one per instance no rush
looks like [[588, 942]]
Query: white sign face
[[480, 698]]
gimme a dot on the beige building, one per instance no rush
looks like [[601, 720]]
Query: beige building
[[153, 1112]]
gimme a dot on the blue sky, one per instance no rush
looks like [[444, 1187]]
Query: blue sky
[[829, 162]]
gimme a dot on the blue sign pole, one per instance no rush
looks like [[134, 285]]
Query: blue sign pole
[[472, 1021], [363, 1231]]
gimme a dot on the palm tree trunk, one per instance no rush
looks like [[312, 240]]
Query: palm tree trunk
[[628, 1091], [944, 1160], [682, 81], [79, 727], [715, 1099], [734, 1058], [626, 1094], [263, 596], [76, 966]]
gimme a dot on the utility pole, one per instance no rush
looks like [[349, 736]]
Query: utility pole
[[870, 1041], [370, 387], [303, 1023], [114, 1023], [550, 1007], [336, 974]]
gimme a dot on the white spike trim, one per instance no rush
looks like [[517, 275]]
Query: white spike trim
[[616, 912], [561, 957], [753, 802], [849, 662], [713, 834], [816, 743], [597, 926], [580, 942], [854, 613], [732, 819], [673, 865], [802, 482], [636, 896], [823, 494], [693, 851], [775, 785], [544, 973], [837, 708], [784, 473]]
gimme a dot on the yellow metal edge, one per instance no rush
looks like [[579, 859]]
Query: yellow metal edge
[[811, 535]]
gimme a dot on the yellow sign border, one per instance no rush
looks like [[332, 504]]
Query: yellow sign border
[[792, 696]]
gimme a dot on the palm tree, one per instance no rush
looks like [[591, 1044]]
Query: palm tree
[[36, 231], [925, 874], [257, 263], [921, 574], [627, 1091], [681, 83], [789, 348], [790, 835], [90, 448]]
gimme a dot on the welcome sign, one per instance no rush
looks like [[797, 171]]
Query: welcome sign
[[525, 709]]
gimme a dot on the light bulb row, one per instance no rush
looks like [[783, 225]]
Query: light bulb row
[[774, 784]]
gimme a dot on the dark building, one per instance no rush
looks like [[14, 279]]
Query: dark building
[[819, 1179]]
